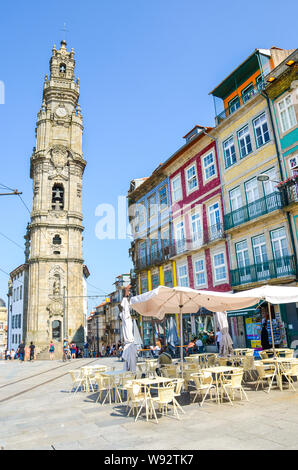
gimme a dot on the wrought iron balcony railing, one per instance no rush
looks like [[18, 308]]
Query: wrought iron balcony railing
[[179, 246], [153, 259], [271, 269], [239, 102], [255, 209], [213, 233]]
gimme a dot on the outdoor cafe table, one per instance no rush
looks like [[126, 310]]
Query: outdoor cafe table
[[218, 376], [235, 360], [146, 383], [242, 351], [111, 375], [278, 352], [279, 362], [203, 357]]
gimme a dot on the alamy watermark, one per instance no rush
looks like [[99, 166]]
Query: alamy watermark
[[129, 222]]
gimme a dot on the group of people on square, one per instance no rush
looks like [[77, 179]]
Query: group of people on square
[[22, 353]]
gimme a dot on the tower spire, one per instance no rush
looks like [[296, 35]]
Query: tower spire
[[57, 167]]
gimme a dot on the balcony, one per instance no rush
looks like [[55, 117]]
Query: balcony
[[271, 269], [239, 102], [289, 189], [212, 234], [154, 259], [255, 209]]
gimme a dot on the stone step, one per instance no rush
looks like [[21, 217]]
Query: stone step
[[44, 354]]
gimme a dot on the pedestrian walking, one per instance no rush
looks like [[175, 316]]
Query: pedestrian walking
[[86, 349], [32, 351], [27, 353], [51, 350], [265, 337], [21, 351], [73, 351]]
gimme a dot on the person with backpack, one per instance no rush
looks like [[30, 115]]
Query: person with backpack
[[21, 351], [51, 350], [32, 348]]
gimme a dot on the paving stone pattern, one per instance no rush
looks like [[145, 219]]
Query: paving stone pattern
[[51, 417]]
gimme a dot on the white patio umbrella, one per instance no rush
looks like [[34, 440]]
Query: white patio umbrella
[[172, 336], [162, 300], [272, 295], [136, 333], [130, 347], [226, 343]]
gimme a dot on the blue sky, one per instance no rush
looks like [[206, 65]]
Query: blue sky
[[146, 68]]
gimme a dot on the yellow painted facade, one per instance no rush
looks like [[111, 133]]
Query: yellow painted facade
[[260, 160]]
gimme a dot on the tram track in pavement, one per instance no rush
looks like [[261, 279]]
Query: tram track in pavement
[[52, 379]]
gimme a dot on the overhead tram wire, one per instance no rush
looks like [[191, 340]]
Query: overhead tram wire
[[27, 208], [87, 282], [12, 241]]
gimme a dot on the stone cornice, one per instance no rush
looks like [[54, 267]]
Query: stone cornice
[[56, 259], [35, 225]]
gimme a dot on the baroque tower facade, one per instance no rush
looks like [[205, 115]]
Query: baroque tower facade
[[55, 291]]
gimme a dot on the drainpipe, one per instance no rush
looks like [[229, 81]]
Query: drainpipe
[[264, 94]]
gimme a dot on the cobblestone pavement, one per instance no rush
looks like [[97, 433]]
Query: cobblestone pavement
[[51, 417]]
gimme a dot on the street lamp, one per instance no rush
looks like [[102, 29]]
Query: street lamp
[[263, 177]]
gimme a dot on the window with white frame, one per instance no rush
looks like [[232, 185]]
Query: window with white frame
[[234, 104], [165, 238], [261, 130], [209, 166], [180, 237], [191, 178], [199, 271], [151, 206], [260, 250], [176, 189], [229, 152], [196, 228], [143, 251], [270, 185], [219, 267], [287, 113], [279, 243], [293, 164], [182, 275], [163, 197], [244, 141], [140, 213], [248, 92], [214, 216], [154, 247]]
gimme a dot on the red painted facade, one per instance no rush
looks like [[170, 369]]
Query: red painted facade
[[207, 192]]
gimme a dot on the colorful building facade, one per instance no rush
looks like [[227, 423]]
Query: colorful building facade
[[260, 240], [282, 93], [215, 215], [181, 240]]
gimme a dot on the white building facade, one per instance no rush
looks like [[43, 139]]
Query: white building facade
[[17, 306]]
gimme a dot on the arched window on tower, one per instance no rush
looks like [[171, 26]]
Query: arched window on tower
[[62, 68], [58, 197], [57, 240]]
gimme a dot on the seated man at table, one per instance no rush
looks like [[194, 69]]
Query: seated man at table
[[199, 346], [190, 346], [165, 356]]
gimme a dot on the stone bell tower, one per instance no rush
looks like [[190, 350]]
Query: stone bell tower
[[55, 295]]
